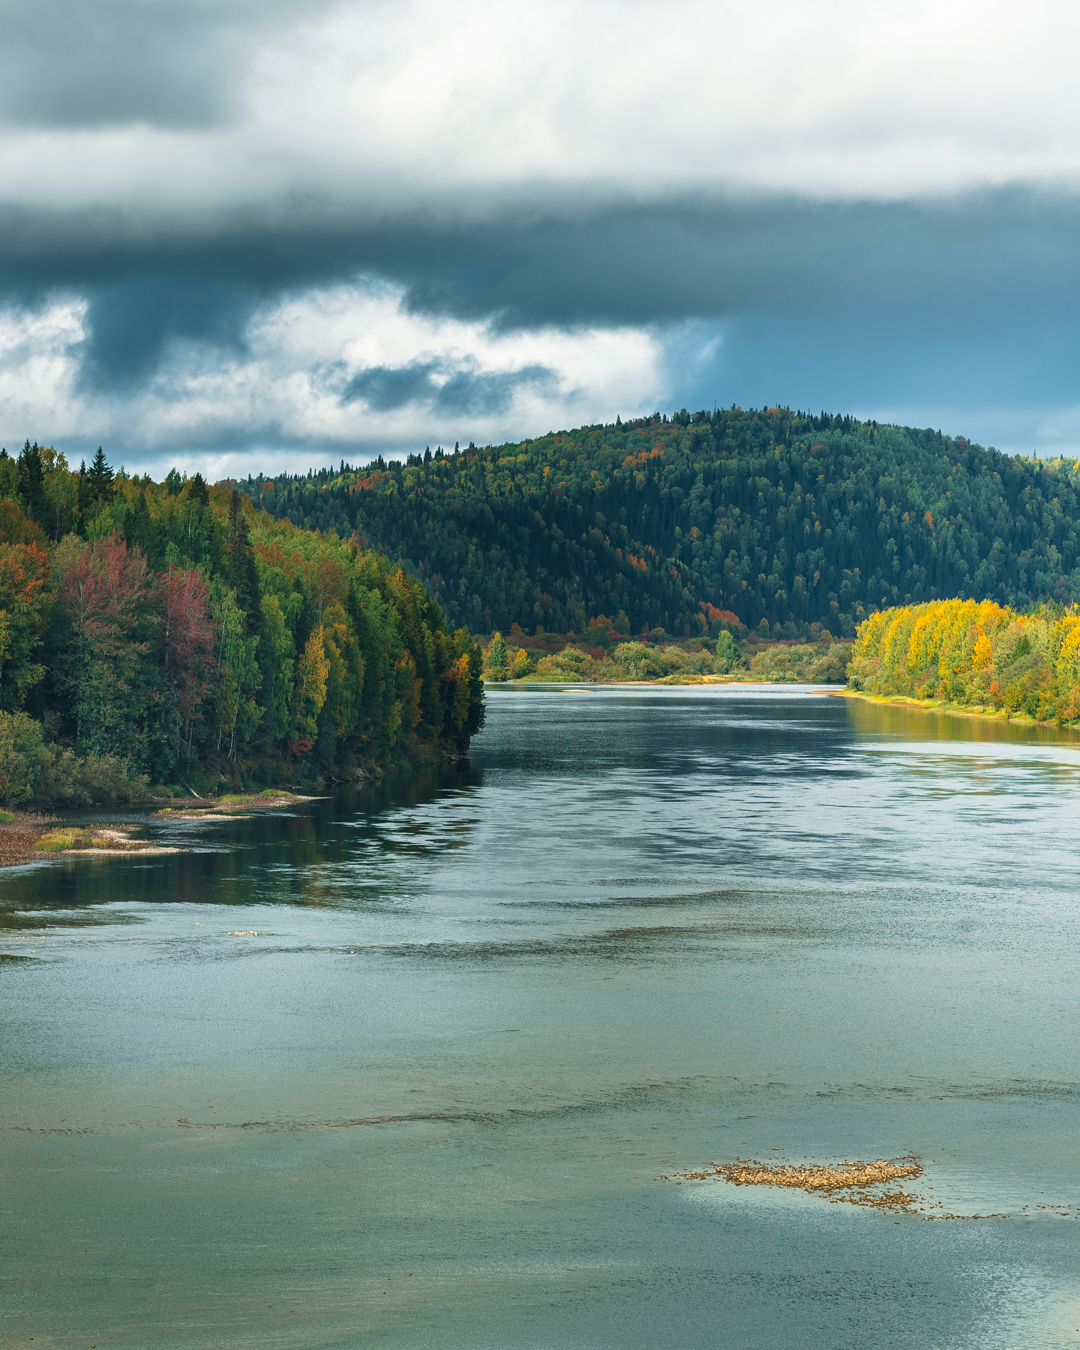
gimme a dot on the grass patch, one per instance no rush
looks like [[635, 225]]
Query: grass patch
[[59, 841], [247, 798], [7, 817]]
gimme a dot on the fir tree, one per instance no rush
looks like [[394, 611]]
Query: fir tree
[[242, 573], [101, 477]]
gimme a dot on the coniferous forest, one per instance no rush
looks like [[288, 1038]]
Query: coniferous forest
[[155, 634], [784, 518]]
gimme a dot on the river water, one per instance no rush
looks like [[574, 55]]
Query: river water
[[404, 1068]]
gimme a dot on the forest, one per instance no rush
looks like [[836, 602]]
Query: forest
[[975, 655], [169, 637], [786, 519]]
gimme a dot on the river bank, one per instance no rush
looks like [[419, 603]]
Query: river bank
[[528, 681], [977, 712], [657, 660], [32, 837]]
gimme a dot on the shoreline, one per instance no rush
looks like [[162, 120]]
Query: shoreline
[[235, 806], [976, 712], [662, 681]]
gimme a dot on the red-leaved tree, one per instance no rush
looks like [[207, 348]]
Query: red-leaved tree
[[109, 598], [186, 644]]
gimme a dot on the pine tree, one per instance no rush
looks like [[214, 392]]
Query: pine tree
[[100, 478]]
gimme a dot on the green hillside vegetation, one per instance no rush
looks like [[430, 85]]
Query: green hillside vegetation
[[980, 657], [551, 657], [785, 519], [169, 635]]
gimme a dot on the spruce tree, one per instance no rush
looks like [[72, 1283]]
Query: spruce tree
[[31, 482], [101, 477], [242, 573]]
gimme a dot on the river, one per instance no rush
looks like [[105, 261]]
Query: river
[[403, 1068]]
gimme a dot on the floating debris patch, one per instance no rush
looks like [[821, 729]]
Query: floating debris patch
[[853, 1183]]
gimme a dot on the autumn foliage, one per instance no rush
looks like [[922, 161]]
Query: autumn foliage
[[974, 655], [171, 633]]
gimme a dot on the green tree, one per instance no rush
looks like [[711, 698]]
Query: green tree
[[32, 482], [496, 660], [100, 479]]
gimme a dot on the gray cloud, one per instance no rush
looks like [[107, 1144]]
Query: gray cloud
[[133, 319], [448, 392], [98, 63], [799, 249], [824, 293]]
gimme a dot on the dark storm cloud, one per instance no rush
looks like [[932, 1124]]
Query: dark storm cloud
[[855, 301], [133, 319]]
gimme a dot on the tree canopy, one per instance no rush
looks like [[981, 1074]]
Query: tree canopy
[[974, 655], [784, 518], [174, 629]]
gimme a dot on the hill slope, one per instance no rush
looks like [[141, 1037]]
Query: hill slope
[[168, 630], [783, 518]]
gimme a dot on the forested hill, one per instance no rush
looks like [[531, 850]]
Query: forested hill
[[171, 634], [784, 518]]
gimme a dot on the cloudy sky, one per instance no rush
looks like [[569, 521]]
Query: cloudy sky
[[254, 234]]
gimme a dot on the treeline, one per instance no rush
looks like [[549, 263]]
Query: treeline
[[817, 663], [612, 660], [787, 519], [974, 655], [171, 631]]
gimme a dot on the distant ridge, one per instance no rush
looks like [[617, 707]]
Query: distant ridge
[[789, 520]]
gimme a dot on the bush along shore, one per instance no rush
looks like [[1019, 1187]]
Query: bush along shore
[[973, 657], [162, 639], [603, 655]]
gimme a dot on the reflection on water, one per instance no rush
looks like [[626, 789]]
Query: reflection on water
[[933, 724], [405, 1064]]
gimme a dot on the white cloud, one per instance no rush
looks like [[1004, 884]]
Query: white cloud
[[37, 371], [378, 109], [290, 388]]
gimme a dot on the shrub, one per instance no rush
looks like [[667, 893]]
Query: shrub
[[66, 780], [636, 661], [21, 746], [803, 664], [58, 783], [569, 664], [104, 778]]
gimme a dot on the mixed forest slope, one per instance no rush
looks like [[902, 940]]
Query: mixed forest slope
[[785, 519], [169, 633]]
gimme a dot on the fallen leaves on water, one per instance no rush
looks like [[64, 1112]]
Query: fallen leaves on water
[[854, 1183]]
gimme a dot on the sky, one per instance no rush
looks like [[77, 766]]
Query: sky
[[254, 235]]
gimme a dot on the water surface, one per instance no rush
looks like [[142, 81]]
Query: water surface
[[403, 1068]]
